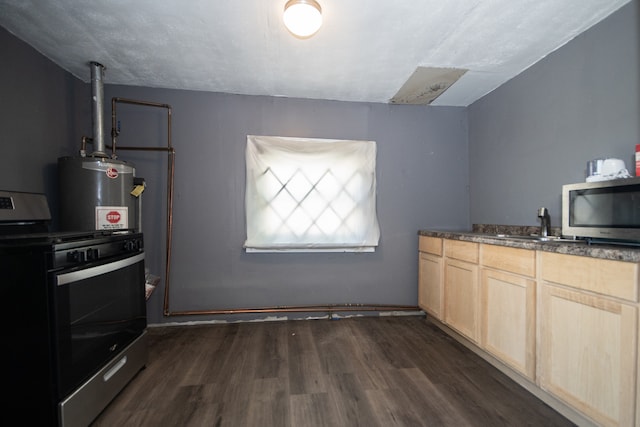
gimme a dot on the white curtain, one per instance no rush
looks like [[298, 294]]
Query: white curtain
[[310, 194]]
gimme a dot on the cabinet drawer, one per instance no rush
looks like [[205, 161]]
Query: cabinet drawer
[[514, 260], [430, 245], [614, 278], [464, 251]]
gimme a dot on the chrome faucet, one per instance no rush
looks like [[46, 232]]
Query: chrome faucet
[[545, 221]]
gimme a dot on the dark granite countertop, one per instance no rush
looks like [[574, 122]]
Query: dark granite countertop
[[489, 234]]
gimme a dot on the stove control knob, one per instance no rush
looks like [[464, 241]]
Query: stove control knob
[[130, 245], [75, 256], [133, 245], [92, 254]]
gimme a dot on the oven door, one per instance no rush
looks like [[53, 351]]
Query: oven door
[[97, 311]]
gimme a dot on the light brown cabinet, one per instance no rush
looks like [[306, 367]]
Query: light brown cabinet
[[588, 337], [430, 276], [430, 295], [461, 291], [461, 297], [617, 279], [513, 260], [508, 296], [448, 283], [568, 324], [430, 245], [508, 319]]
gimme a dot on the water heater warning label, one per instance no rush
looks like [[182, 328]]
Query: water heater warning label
[[112, 217]]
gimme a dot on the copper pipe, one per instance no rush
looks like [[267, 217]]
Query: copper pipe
[[329, 308], [143, 148], [83, 145], [170, 175], [171, 172], [114, 130]]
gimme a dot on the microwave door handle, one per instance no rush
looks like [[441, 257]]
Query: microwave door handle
[[87, 273]]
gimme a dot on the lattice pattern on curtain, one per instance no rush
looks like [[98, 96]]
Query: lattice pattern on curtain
[[310, 194]]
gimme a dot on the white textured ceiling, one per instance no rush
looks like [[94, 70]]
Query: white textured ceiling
[[365, 51]]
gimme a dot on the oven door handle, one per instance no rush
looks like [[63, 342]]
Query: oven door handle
[[87, 273]]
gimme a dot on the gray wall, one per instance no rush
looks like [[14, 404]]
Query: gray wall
[[41, 119], [422, 182], [537, 132], [524, 141]]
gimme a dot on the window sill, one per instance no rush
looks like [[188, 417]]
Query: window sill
[[310, 250]]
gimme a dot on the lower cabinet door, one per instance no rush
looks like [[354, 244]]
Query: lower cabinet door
[[430, 293], [461, 297], [508, 319], [588, 353]]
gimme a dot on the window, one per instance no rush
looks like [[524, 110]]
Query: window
[[310, 194]]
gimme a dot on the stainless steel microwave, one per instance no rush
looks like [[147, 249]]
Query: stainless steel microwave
[[604, 210]]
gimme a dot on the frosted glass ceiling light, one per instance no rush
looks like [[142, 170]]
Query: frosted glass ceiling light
[[302, 17]]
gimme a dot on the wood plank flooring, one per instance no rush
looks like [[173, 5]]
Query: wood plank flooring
[[367, 371]]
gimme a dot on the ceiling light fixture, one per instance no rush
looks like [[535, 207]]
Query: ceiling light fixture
[[302, 18]]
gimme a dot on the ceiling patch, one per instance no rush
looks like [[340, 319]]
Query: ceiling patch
[[426, 84]]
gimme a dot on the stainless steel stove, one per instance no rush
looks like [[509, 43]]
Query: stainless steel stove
[[74, 315]]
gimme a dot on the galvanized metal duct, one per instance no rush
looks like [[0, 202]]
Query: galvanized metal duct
[[97, 104]]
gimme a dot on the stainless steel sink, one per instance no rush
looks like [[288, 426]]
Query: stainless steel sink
[[549, 239]]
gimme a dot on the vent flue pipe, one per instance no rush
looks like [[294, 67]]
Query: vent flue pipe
[[97, 104]]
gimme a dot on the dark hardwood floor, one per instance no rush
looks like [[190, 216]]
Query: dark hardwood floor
[[368, 371]]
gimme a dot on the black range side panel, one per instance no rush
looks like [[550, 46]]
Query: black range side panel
[[27, 363]]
